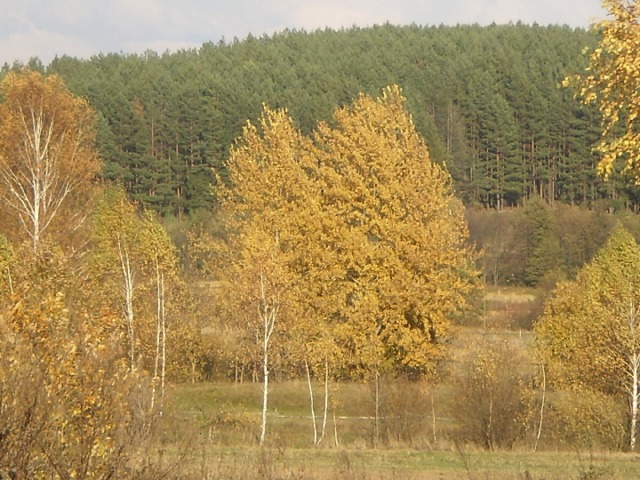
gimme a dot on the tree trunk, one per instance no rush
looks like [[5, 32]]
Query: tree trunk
[[156, 364], [634, 401], [313, 410], [127, 277], [268, 313], [377, 408], [634, 372], [326, 400], [163, 325], [433, 420], [160, 360], [265, 389], [544, 394]]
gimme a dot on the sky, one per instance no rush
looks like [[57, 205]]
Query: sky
[[83, 28]]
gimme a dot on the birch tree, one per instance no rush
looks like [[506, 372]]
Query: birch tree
[[262, 218], [64, 387], [401, 267], [161, 257], [47, 154], [117, 260], [350, 241], [590, 333]]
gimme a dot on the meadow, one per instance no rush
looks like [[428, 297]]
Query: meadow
[[212, 428], [221, 425]]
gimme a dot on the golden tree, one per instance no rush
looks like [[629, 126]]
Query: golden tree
[[134, 267], [264, 217], [117, 260], [47, 154], [610, 82], [396, 239], [397, 235], [162, 263], [589, 334], [349, 247]]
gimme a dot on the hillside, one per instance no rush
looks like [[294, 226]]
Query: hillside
[[487, 100]]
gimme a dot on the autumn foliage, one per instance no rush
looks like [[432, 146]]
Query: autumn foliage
[[79, 391], [356, 235], [47, 156], [610, 82], [589, 334]]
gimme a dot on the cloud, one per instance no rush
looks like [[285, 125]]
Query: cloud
[[87, 27], [337, 14], [45, 45]]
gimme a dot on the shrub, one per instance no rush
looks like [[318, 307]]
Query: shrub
[[586, 419], [491, 398]]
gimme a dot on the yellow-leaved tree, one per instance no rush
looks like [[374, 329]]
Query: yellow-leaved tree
[[134, 267], [589, 335], [349, 246], [401, 265], [264, 215], [48, 157], [65, 391], [610, 82], [397, 236], [116, 260]]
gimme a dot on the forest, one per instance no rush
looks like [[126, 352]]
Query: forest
[[426, 236], [486, 99]]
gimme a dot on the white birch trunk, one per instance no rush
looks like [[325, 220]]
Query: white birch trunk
[[313, 410], [544, 394], [160, 356], [633, 366], [154, 380], [377, 408], [163, 325], [268, 313], [633, 427], [326, 400], [35, 186], [433, 420], [127, 287]]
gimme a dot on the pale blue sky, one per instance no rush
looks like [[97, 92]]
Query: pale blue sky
[[82, 28]]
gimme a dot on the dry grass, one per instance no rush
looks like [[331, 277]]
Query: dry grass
[[251, 462], [222, 421]]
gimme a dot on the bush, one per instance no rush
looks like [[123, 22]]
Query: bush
[[404, 411], [586, 419], [491, 398]]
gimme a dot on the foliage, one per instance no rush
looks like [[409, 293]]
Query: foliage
[[355, 235], [6, 259], [586, 419], [397, 235], [64, 390], [566, 237], [484, 98], [588, 333], [47, 156], [609, 83], [134, 266], [542, 246]]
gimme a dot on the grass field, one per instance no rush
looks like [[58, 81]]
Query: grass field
[[250, 463], [213, 428], [223, 425]]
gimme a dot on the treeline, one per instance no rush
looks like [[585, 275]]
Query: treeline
[[487, 100], [539, 244]]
